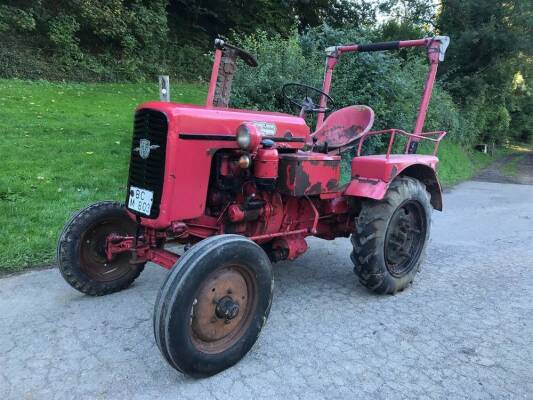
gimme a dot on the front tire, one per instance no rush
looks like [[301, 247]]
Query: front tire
[[213, 304], [81, 250], [391, 235]]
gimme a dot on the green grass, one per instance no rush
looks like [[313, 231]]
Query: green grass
[[457, 164], [63, 146]]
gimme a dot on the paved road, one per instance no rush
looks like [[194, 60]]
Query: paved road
[[464, 330]]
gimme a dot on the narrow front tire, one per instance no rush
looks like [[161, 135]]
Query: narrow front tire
[[81, 255], [213, 304]]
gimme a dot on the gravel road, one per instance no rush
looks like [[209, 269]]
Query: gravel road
[[463, 330]]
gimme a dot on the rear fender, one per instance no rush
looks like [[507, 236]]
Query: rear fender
[[376, 187]]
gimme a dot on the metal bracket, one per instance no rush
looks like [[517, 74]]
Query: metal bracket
[[331, 51], [219, 43], [444, 42]]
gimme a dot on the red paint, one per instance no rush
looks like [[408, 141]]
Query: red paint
[[143, 249], [189, 161], [344, 126], [393, 132], [287, 193], [214, 77], [326, 86], [294, 246], [266, 164], [308, 173]]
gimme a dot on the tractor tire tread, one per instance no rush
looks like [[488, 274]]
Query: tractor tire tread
[[370, 233], [64, 258], [171, 288]]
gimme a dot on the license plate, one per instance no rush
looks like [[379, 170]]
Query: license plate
[[140, 200]]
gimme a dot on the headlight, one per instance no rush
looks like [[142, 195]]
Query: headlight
[[243, 137], [244, 161]]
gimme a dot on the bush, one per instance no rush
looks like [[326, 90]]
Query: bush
[[280, 61], [390, 83]]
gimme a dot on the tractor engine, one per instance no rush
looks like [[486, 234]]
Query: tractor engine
[[248, 198], [242, 192]]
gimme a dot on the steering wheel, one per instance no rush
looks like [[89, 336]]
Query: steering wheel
[[307, 104]]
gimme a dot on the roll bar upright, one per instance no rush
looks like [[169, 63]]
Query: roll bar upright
[[436, 49]]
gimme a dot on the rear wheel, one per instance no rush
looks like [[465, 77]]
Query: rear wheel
[[213, 304], [391, 237], [81, 249]]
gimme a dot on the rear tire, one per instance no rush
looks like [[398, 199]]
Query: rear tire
[[391, 235], [212, 306], [81, 250]]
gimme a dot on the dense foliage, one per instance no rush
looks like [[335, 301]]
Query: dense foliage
[[490, 56], [483, 95]]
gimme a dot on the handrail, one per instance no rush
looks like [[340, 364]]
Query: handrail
[[393, 132]]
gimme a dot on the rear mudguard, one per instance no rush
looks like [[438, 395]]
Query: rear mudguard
[[372, 175]]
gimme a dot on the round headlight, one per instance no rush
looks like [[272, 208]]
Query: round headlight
[[244, 161], [243, 137]]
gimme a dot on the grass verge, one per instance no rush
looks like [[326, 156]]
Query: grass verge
[[62, 147], [457, 164]]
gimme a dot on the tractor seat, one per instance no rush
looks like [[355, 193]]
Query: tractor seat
[[344, 126]]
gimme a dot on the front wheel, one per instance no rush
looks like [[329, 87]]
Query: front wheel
[[81, 254], [213, 304], [391, 236]]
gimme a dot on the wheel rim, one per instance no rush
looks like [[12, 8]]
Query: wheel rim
[[223, 308], [405, 238], [93, 257]]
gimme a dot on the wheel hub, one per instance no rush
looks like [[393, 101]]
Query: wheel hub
[[92, 252], [221, 306], [405, 238], [227, 309]]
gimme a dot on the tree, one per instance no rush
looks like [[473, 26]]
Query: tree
[[490, 44]]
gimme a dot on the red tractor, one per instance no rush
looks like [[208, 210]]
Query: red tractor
[[242, 189]]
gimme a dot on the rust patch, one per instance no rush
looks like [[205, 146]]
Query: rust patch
[[309, 174], [301, 182], [365, 180], [394, 172], [332, 184], [339, 135], [315, 189]]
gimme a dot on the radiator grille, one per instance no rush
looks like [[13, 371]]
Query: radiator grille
[[148, 173]]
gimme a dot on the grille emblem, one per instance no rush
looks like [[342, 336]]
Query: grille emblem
[[144, 148]]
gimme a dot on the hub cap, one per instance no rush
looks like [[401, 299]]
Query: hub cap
[[92, 252], [405, 238], [223, 308]]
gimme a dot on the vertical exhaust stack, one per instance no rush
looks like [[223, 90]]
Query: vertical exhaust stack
[[164, 88]]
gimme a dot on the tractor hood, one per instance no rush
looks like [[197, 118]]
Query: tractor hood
[[202, 123]]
